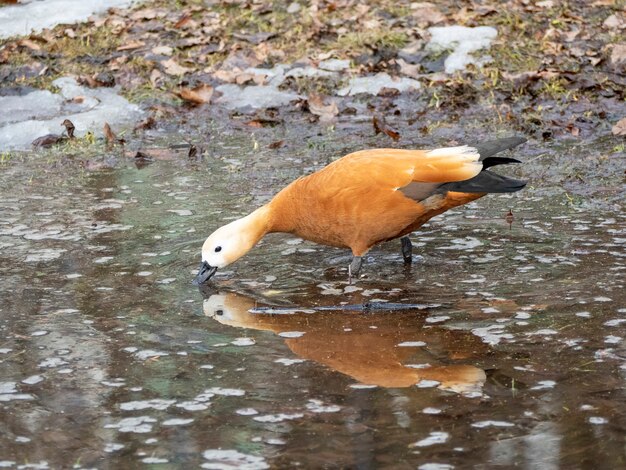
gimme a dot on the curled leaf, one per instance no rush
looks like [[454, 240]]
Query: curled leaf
[[198, 95]]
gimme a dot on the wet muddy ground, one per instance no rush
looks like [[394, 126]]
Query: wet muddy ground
[[501, 346]]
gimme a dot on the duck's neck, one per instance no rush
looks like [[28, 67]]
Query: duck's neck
[[256, 225]]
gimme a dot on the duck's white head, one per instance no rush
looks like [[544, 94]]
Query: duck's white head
[[229, 243]]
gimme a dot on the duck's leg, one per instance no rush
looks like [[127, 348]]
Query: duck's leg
[[407, 250], [355, 267]]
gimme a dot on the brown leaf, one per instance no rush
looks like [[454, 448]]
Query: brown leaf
[[69, 127], [131, 45], [27, 43], [276, 145], [615, 21], [380, 125], [410, 70], [427, 13], [618, 54], [147, 123], [110, 136], [326, 112], [183, 21], [155, 77], [620, 127], [48, 140], [254, 123], [171, 67], [198, 95]]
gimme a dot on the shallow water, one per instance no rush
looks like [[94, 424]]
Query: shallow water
[[503, 346]]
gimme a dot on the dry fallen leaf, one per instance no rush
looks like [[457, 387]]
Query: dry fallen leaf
[[276, 145], [620, 127], [198, 95], [326, 112], [110, 136], [155, 77], [131, 45], [618, 54], [171, 67], [69, 127], [380, 125], [48, 140], [427, 13], [410, 70]]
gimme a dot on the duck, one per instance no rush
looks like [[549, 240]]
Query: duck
[[366, 198]]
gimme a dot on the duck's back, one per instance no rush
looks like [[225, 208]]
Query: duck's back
[[356, 201]]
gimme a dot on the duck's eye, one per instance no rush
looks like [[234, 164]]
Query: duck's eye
[[218, 249]]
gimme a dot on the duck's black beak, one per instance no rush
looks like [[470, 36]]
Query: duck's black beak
[[204, 273]]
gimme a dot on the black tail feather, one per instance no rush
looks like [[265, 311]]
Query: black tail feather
[[484, 182], [487, 149], [493, 161]]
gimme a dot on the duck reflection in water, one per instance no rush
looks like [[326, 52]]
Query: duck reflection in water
[[365, 346]]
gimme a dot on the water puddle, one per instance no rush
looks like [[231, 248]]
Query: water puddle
[[500, 346]]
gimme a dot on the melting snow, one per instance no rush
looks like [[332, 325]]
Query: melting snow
[[231, 459], [156, 404], [277, 418], [177, 421], [463, 41], [317, 406], [437, 437], [36, 16], [486, 424], [138, 424], [374, 84], [25, 119]]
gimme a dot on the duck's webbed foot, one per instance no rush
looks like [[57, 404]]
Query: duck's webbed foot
[[407, 250]]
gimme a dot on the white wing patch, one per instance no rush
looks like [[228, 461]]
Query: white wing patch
[[464, 150]]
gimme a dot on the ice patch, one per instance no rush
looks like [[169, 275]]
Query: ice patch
[[544, 384], [463, 41], [231, 459], [437, 319], [24, 120], [243, 342], [113, 447], [373, 85], [317, 406], [156, 404], [435, 466], [431, 411], [289, 362], [149, 353], [489, 423], [437, 437], [138, 424], [227, 392], [597, 420], [492, 334], [277, 418], [177, 421], [46, 254], [256, 97], [21, 19], [32, 380]]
